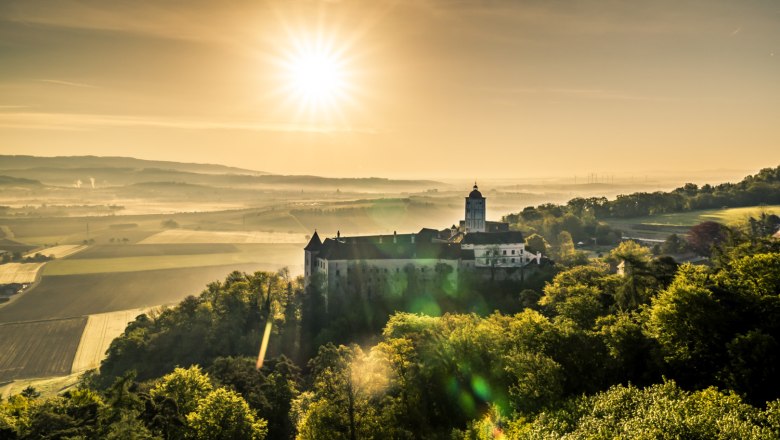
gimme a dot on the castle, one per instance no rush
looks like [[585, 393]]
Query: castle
[[377, 261]]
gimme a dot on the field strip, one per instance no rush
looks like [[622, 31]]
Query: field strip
[[174, 236], [47, 386], [158, 262], [19, 273], [100, 330], [7, 232], [691, 218], [58, 252]]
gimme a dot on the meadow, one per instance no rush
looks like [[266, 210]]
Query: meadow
[[662, 225]]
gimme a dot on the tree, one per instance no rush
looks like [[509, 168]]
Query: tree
[[661, 411], [343, 404], [690, 326], [537, 381], [169, 224], [185, 387], [223, 414], [752, 368], [536, 243], [705, 235], [634, 290], [673, 245], [565, 245]]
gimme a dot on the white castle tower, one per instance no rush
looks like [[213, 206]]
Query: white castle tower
[[475, 211]]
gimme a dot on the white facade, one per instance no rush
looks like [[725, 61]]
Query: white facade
[[501, 255]]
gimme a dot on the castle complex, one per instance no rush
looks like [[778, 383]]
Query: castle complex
[[378, 260]]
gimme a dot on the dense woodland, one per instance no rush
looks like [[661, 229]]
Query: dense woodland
[[661, 351]]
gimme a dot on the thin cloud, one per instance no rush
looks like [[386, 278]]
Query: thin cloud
[[68, 83], [597, 94], [81, 122]]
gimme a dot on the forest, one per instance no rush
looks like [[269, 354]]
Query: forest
[[659, 350]]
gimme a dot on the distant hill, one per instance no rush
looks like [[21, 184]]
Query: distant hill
[[18, 181], [60, 162], [103, 172]]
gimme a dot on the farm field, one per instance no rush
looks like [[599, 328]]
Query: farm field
[[58, 252], [79, 295], [48, 386], [255, 237], [268, 256], [125, 250], [100, 330], [21, 273], [39, 349]]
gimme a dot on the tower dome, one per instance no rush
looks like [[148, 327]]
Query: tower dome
[[475, 194]]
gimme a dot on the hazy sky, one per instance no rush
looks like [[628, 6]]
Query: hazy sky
[[429, 88]]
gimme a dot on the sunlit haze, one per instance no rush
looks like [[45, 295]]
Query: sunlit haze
[[425, 89]]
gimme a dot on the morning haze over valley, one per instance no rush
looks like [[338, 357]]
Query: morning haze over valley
[[432, 219]]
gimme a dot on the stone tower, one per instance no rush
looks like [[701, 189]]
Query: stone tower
[[311, 252], [475, 211]]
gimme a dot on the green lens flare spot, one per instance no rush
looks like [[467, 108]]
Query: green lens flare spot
[[481, 388]]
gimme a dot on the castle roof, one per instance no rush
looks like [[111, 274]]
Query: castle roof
[[383, 247], [314, 244], [490, 238]]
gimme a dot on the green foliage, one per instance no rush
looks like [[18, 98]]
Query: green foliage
[[674, 245], [346, 392], [536, 243], [225, 320], [661, 411], [184, 387], [223, 414]]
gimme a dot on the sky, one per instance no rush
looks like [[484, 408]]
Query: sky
[[412, 88]]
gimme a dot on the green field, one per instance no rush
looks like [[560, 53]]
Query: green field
[[660, 226], [39, 349]]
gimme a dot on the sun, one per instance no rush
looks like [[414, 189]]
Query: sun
[[316, 76]]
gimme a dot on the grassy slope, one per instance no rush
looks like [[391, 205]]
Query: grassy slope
[[660, 226]]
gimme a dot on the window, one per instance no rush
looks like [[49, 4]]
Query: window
[[513, 260], [337, 272], [504, 251], [513, 251]]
